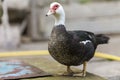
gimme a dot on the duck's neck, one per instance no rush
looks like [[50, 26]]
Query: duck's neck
[[60, 19]]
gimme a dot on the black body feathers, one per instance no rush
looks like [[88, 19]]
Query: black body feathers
[[72, 48]]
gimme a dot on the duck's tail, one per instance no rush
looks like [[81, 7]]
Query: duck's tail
[[102, 39]]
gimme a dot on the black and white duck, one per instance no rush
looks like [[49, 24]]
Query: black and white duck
[[71, 48]]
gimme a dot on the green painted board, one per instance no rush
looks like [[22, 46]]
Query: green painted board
[[51, 66]]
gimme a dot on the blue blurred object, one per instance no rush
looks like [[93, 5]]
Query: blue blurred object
[[14, 69], [6, 67]]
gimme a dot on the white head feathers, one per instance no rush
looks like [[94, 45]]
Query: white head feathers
[[57, 10]]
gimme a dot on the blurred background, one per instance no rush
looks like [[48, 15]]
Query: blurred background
[[25, 27]]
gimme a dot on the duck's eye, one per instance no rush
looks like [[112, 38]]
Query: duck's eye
[[55, 7]]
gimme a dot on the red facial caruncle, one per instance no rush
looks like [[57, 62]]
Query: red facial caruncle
[[54, 8]]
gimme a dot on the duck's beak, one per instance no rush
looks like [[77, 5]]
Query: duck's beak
[[50, 12]]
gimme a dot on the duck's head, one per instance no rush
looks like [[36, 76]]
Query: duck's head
[[57, 11]]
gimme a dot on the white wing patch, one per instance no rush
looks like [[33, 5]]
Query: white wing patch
[[85, 42]]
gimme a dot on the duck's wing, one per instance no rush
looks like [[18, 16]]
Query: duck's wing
[[86, 41], [83, 36]]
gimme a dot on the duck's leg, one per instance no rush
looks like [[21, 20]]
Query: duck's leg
[[83, 73], [69, 72], [84, 69]]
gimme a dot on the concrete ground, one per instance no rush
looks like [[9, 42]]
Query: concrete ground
[[101, 67], [52, 67]]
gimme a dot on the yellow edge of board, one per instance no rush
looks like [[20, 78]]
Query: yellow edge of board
[[45, 52]]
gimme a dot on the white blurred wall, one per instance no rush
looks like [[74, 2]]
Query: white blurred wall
[[19, 4]]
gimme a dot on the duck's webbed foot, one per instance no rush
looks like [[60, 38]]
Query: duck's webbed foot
[[71, 73]]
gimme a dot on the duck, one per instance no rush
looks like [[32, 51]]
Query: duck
[[71, 48]]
